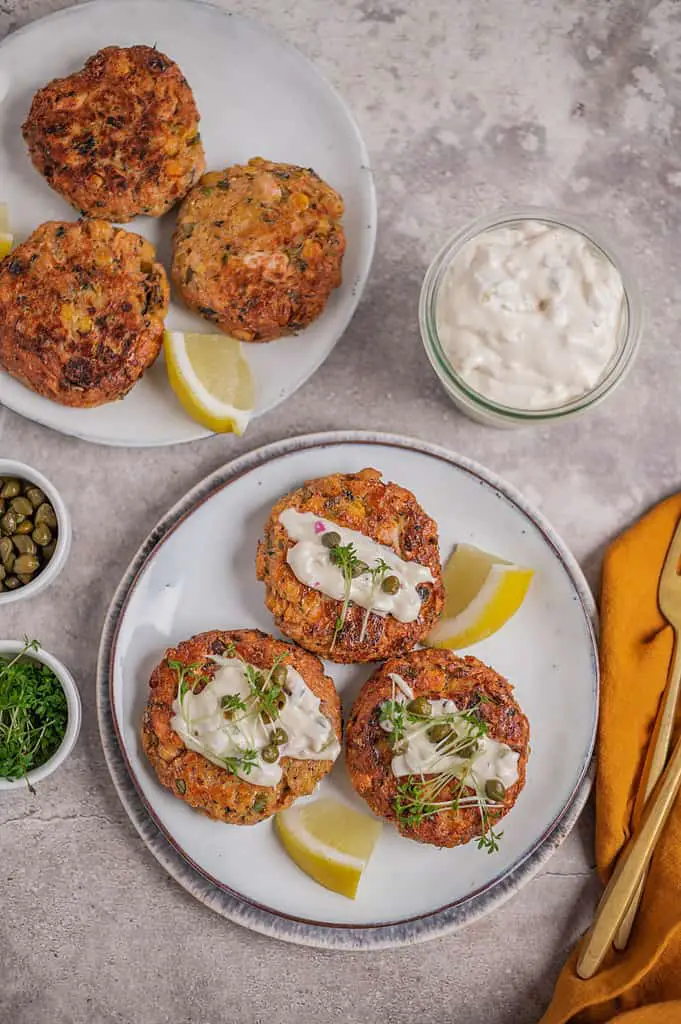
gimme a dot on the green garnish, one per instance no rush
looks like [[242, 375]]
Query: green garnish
[[33, 714], [187, 678], [417, 796], [265, 693], [232, 703], [244, 764]]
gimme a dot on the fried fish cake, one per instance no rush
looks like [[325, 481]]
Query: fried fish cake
[[208, 787], [435, 675], [82, 307], [384, 512], [119, 137], [258, 248]]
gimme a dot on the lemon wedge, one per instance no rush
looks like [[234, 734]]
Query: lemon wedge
[[482, 592], [330, 842], [211, 378], [6, 238]]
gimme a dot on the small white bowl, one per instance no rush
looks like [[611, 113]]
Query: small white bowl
[[10, 467], [13, 647]]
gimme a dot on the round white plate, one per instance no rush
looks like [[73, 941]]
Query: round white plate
[[196, 572], [257, 97]]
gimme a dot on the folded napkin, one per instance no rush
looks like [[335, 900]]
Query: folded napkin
[[641, 985]]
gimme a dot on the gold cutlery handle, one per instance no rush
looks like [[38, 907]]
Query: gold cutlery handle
[[631, 865], [655, 762]]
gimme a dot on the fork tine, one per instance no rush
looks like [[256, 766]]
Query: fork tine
[[669, 576]]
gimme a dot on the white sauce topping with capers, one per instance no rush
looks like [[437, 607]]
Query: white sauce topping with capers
[[387, 585], [438, 738], [239, 739]]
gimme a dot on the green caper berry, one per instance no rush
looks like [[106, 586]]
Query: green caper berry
[[495, 790], [359, 568], [22, 506], [468, 749], [279, 675], [35, 496], [11, 583], [420, 706], [24, 527], [279, 736], [438, 733], [390, 585], [331, 539], [281, 701], [10, 488], [270, 753]]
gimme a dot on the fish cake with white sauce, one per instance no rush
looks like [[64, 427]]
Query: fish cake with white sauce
[[438, 746], [120, 137], [351, 567], [239, 725]]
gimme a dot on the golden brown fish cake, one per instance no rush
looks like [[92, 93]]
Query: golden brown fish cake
[[387, 513], [434, 674], [258, 248], [82, 307], [209, 788], [120, 137]]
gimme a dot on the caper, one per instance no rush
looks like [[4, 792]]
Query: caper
[[49, 550], [468, 749], [24, 577], [495, 790], [400, 746], [10, 488], [26, 564], [11, 583], [3, 505], [331, 539], [6, 548], [279, 736], [8, 563], [22, 506], [420, 706], [45, 514], [8, 523], [281, 701], [35, 496], [42, 534], [25, 526], [390, 585], [23, 544], [359, 568], [270, 753], [279, 675], [438, 733], [3, 573], [264, 717]]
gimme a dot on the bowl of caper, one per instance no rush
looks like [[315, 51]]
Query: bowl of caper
[[35, 531]]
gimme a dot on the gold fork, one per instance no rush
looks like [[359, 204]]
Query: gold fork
[[617, 910], [669, 601]]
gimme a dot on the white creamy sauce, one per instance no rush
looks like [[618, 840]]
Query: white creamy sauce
[[202, 726], [530, 315], [312, 565], [492, 760]]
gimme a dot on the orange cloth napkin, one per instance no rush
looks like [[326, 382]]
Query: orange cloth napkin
[[641, 985]]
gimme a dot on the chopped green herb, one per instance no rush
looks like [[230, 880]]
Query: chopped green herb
[[33, 713]]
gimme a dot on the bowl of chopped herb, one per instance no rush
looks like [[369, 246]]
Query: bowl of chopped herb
[[40, 713]]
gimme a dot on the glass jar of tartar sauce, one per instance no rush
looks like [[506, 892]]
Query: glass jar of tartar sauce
[[528, 316]]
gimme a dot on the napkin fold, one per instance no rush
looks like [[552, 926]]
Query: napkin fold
[[642, 984]]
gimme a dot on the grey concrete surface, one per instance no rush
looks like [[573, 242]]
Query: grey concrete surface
[[465, 106]]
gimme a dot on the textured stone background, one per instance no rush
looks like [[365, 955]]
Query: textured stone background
[[465, 106]]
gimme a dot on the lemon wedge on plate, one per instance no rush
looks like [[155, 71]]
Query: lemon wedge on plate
[[6, 238], [482, 592], [211, 378], [330, 842]]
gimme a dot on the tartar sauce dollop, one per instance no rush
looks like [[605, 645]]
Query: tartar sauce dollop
[[529, 314]]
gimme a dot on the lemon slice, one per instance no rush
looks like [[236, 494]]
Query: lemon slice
[[482, 592], [211, 378], [6, 238], [330, 842]]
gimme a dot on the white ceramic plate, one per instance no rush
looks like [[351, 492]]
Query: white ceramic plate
[[257, 97], [196, 572]]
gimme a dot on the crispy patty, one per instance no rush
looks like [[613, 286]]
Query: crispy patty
[[193, 778], [387, 513], [435, 674], [120, 137], [81, 311], [258, 248]]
